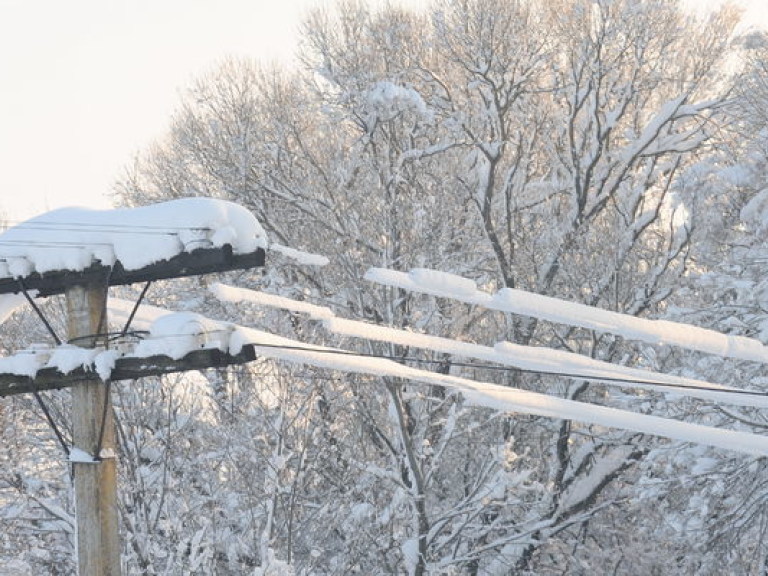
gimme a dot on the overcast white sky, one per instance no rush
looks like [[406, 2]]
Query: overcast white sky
[[85, 84]]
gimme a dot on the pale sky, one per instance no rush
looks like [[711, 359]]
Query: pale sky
[[86, 84]]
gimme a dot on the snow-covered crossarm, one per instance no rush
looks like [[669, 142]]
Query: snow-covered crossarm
[[35, 371], [181, 237], [559, 311], [528, 358]]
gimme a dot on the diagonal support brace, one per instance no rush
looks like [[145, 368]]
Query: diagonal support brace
[[35, 307], [136, 307]]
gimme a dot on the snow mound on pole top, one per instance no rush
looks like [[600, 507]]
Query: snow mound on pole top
[[75, 238]]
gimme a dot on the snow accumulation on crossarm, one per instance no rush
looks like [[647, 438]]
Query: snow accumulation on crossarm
[[74, 238], [657, 332]]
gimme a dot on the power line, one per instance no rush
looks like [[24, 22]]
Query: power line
[[574, 375], [69, 226], [91, 228], [52, 243], [142, 335], [84, 244]]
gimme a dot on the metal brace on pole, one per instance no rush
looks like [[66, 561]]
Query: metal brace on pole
[[35, 307]]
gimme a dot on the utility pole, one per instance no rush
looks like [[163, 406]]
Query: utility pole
[[94, 453], [93, 430]]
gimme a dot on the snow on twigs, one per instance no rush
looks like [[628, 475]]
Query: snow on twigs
[[75, 238], [8, 304], [555, 310]]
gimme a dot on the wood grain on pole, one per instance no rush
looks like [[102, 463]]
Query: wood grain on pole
[[98, 542]]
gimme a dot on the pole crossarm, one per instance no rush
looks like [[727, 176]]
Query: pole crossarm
[[196, 262], [126, 368]]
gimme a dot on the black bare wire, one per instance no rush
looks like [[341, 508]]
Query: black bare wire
[[613, 379], [35, 391], [133, 229]]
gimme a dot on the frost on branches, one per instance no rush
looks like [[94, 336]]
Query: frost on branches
[[588, 151]]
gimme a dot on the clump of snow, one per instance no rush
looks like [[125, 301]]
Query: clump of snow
[[738, 175], [387, 100], [304, 258], [410, 550], [233, 294], [449, 283], [23, 363], [176, 335], [104, 363], [755, 212], [431, 282], [81, 456], [271, 566], [75, 238], [67, 358], [657, 332]]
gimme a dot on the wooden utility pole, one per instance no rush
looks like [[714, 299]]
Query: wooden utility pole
[[93, 426], [94, 452]]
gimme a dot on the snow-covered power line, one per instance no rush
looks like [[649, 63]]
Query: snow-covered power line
[[504, 398], [74, 226], [526, 358], [657, 332], [176, 335]]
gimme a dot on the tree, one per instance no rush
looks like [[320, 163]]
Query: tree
[[727, 291], [36, 513], [544, 147]]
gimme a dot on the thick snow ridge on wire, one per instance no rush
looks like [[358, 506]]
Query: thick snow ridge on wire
[[269, 345], [495, 396], [75, 238], [529, 358], [168, 326], [555, 310]]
